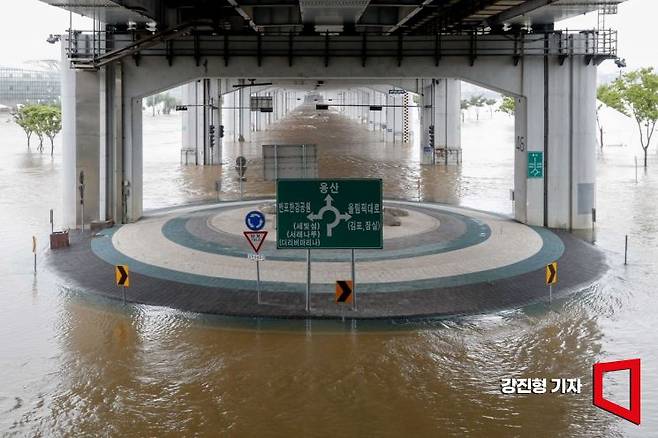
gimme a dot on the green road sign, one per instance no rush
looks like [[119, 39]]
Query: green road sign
[[535, 164], [329, 213]]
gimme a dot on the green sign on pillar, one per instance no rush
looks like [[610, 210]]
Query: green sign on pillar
[[535, 164], [329, 213]]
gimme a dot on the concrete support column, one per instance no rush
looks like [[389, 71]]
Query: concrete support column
[[192, 126], [396, 118], [372, 115], [529, 137], [201, 96], [133, 158], [228, 113], [214, 115], [440, 108], [447, 109], [111, 147], [556, 115], [244, 114], [427, 116], [382, 115], [388, 118], [81, 111]]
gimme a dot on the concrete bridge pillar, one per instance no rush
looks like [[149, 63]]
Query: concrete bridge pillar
[[555, 116], [390, 119], [202, 97], [244, 113], [192, 123], [229, 115], [82, 109], [215, 119], [440, 109], [447, 104]]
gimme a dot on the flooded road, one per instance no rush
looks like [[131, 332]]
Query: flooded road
[[75, 364]]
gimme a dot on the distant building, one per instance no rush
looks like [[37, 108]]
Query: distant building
[[32, 82]]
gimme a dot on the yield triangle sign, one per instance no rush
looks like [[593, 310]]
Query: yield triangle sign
[[255, 239]]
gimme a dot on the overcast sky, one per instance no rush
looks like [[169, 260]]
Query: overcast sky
[[25, 25]]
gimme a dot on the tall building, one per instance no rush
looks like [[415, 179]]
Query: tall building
[[32, 82]]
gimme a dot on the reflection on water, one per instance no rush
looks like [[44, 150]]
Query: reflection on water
[[75, 364]]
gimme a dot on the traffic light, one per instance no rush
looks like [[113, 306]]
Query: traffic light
[[211, 134], [221, 131], [431, 136]]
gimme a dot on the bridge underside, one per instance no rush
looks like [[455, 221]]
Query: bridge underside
[[362, 47]]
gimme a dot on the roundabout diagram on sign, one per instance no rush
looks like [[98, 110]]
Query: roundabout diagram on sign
[[338, 216]]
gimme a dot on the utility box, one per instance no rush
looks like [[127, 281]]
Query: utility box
[[59, 239]]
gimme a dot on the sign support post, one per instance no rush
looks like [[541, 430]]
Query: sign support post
[[258, 278], [551, 279], [308, 280], [82, 200], [353, 282], [550, 293], [34, 250]]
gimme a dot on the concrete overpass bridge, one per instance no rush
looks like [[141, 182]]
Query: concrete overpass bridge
[[140, 47]]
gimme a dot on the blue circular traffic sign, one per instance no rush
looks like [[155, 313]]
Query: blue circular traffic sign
[[255, 220]]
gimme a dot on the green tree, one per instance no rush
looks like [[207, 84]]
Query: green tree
[[168, 103], [490, 103], [24, 117], [638, 98], [608, 95], [507, 105], [478, 101], [153, 101], [51, 124], [38, 120]]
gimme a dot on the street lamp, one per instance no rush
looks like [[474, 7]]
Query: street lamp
[[52, 39]]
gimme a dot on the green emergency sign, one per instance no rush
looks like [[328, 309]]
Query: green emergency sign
[[329, 213]]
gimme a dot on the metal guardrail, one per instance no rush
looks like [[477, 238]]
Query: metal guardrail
[[87, 50]]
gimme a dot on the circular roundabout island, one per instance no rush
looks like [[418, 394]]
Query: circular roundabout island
[[436, 260]]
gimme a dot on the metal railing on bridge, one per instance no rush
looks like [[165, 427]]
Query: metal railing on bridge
[[95, 49]]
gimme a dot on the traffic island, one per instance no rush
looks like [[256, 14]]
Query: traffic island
[[438, 261]]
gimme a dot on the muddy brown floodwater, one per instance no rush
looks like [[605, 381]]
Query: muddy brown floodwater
[[77, 365]]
